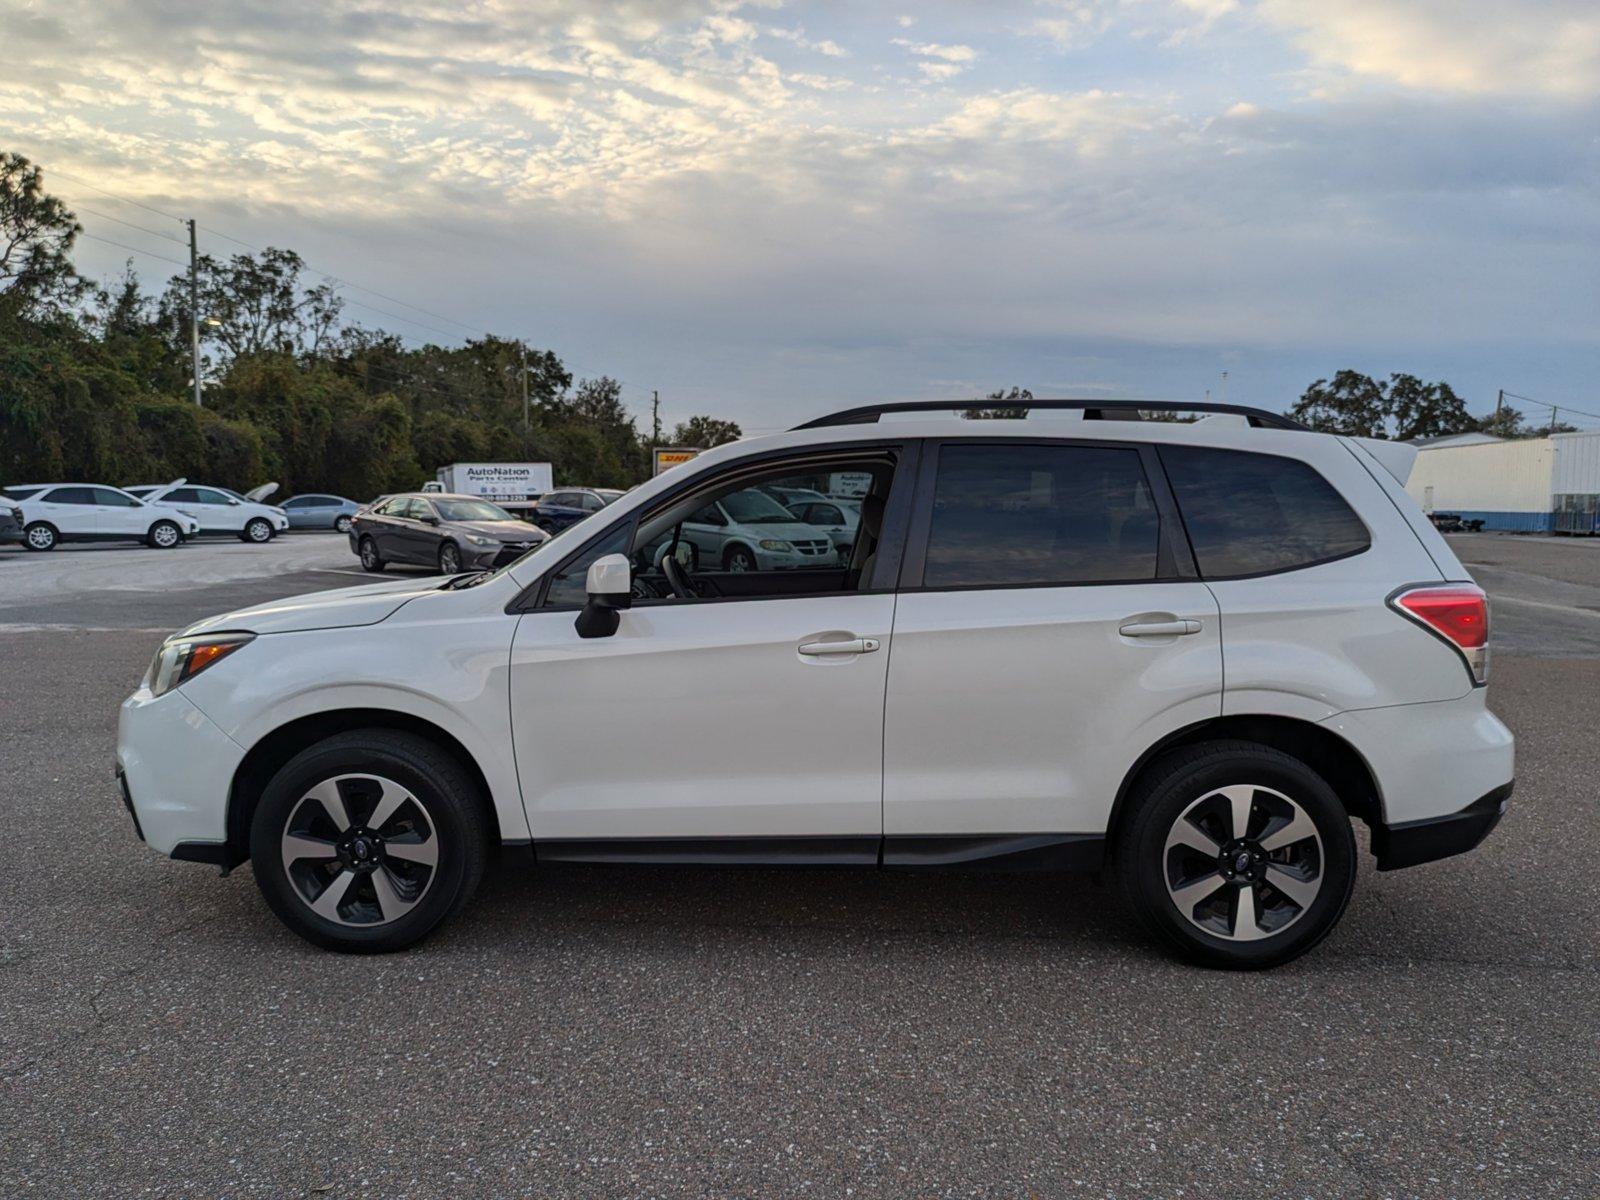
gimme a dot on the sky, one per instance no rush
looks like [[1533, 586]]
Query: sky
[[770, 209]]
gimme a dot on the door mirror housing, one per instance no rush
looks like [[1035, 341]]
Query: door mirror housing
[[610, 588]]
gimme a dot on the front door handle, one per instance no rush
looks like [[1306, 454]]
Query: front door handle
[[848, 646], [1159, 628]]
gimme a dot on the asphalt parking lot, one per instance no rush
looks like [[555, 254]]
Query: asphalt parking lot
[[688, 1032]]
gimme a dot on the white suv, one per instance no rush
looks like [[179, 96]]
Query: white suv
[[89, 512], [1189, 653], [219, 510]]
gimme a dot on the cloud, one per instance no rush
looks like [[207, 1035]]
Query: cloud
[[1470, 46]]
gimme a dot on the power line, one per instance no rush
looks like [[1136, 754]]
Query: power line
[[135, 249], [131, 225]]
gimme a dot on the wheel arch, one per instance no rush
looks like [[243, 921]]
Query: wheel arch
[[738, 544], [273, 750], [1321, 749]]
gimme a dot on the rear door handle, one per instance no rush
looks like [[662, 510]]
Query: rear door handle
[[849, 646], [1159, 628]]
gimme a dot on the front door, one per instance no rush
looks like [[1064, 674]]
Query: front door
[[1049, 632], [745, 719]]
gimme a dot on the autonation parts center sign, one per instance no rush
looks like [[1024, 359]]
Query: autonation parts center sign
[[498, 481]]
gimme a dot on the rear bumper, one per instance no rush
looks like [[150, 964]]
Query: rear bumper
[[1411, 843]]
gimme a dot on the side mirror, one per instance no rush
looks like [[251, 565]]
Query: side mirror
[[610, 587]]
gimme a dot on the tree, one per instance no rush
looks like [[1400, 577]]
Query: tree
[[37, 233], [1352, 404], [1002, 414], [703, 433], [1421, 410], [256, 305]]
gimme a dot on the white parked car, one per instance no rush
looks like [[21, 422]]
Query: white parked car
[[220, 510], [1024, 663], [88, 512], [749, 530]]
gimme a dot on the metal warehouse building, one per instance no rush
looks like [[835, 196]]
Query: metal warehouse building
[[1529, 485]]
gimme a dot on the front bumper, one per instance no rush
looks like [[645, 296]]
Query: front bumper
[[176, 769], [1411, 843]]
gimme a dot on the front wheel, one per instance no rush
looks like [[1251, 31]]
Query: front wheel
[[367, 841], [257, 530], [371, 560], [40, 536], [1236, 855], [449, 559], [740, 559], [164, 535]]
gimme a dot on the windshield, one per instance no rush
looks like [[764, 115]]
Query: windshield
[[235, 495], [751, 507], [471, 510]]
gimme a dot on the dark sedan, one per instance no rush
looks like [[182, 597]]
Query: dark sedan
[[11, 523], [565, 507], [447, 532]]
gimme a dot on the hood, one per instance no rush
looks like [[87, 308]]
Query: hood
[[505, 531], [343, 607], [258, 494]]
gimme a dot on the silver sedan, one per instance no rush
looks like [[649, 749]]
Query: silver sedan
[[320, 511]]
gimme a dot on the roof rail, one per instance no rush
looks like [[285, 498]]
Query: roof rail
[[1093, 410]]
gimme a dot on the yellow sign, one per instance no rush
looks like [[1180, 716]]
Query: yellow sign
[[674, 456]]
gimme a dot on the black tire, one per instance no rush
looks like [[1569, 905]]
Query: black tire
[[341, 524], [41, 535], [257, 531], [164, 535], [454, 814], [739, 558], [371, 560], [1175, 782], [449, 559]]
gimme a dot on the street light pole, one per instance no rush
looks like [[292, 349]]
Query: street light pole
[[194, 311]]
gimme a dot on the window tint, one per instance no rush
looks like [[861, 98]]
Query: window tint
[[70, 495], [209, 496], [302, 502], [1010, 515], [589, 503], [1252, 513], [182, 496], [113, 498], [560, 500]]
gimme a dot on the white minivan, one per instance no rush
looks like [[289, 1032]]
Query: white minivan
[[1189, 655], [88, 512]]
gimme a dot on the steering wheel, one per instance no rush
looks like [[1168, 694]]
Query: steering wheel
[[677, 577]]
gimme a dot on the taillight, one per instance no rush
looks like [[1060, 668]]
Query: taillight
[[1456, 613]]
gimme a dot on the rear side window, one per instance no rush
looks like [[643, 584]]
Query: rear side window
[[1253, 514], [70, 495], [1021, 515]]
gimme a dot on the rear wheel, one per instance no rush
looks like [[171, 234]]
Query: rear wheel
[[41, 535], [164, 535], [1235, 854], [366, 842], [342, 524], [257, 530], [371, 560]]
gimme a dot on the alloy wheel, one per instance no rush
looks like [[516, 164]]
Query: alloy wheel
[[165, 536], [1243, 862], [450, 561], [259, 531], [41, 538], [360, 850]]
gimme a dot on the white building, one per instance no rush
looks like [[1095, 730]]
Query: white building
[[1529, 485]]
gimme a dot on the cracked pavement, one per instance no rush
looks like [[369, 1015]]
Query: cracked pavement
[[695, 1032]]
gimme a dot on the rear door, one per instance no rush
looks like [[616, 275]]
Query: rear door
[[72, 510], [1049, 629]]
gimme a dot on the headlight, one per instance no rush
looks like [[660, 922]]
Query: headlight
[[180, 659], [480, 541], [775, 544]]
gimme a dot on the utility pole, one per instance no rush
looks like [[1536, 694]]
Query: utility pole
[[1224, 387], [194, 311], [525, 425], [655, 420]]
